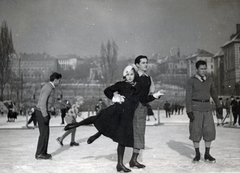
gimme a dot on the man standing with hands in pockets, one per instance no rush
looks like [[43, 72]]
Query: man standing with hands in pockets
[[43, 116], [199, 89]]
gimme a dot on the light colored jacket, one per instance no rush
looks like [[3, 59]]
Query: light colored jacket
[[44, 97]]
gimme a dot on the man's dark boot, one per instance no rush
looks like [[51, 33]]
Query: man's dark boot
[[134, 163], [91, 139], [208, 157], [198, 155], [120, 166]]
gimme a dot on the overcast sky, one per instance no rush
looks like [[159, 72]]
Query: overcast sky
[[137, 26]]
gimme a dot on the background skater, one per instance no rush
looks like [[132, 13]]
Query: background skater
[[43, 117], [71, 117]]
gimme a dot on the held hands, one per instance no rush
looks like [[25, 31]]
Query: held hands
[[158, 94], [191, 116], [117, 98]]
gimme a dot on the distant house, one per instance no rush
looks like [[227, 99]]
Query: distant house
[[173, 69], [218, 74], [34, 66], [231, 52], [200, 55], [69, 61]]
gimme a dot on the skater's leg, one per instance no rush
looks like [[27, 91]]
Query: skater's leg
[[86, 121], [73, 143], [218, 122], [120, 154], [207, 156], [198, 155], [91, 139], [66, 134], [133, 162], [155, 118]]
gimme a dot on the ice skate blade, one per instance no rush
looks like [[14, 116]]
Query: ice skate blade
[[195, 161], [209, 161]]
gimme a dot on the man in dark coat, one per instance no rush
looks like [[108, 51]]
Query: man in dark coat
[[167, 109]]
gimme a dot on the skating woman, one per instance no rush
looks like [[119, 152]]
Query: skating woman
[[71, 116], [115, 121]]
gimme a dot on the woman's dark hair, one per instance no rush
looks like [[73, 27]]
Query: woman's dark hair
[[54, 76], [200, 62]]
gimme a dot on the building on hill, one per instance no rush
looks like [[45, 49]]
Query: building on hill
[[173, 69], [219, 72], [69, 61], [34, 67], [200, 55], [231, 61]]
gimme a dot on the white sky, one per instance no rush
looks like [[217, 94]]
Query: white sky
[[137, 26]]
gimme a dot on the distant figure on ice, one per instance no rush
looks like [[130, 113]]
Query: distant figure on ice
[[235, 103], [150, 113], [227, 106], [1, 111], [167, 108], [99, 106], [71, 117], [219, 115], [32, 118], [199, 89], [63, 108]]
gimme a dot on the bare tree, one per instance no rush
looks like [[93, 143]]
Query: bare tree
[[6, 53], [108, 62]]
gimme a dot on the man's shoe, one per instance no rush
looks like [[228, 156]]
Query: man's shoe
[[59, 141], [44, 157], [121, 167], [136, 164], [74, 144], [196, 158], [209, 158], [49, 156]]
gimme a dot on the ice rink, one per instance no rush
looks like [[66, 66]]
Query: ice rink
[[168, 149]]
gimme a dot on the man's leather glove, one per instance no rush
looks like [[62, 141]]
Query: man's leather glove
[[219, 111], [191, 116], [46, 120]]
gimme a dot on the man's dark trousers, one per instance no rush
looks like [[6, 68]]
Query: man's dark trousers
[[44, 134]]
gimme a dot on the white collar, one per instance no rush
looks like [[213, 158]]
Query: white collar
[[52, 84], [141, 73], [200, 78]]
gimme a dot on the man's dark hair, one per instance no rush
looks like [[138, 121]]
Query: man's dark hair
[[54, 76], [200, 62], [138, 59]]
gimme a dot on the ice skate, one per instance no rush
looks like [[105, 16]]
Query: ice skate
[[209, 158], [196, 158]]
